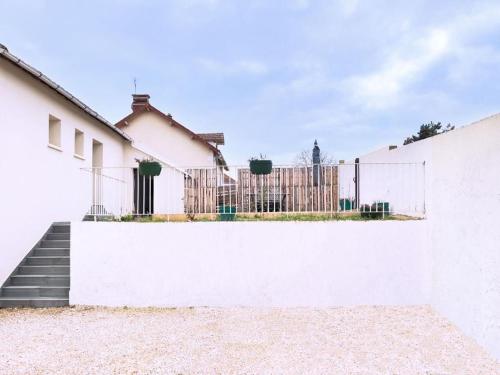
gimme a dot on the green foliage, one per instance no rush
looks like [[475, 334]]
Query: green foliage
[[260, 157], [428, 130], [138, 219], [377, 210], [366, 213], [261, 167], [314, 217], [149, 167], [226, 213]]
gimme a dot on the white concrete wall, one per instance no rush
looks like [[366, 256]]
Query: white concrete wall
[[249, 264], [397, 176], [39, 184], [168, 142], [462, 204], [465, 226]]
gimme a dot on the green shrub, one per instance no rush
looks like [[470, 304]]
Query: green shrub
[[149, 168], [377, 210]]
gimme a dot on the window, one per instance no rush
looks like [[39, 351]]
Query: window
[[96, 154], [79, 144], [54, 132]]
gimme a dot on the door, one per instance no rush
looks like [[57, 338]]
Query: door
[[143, 193], [97, 188]]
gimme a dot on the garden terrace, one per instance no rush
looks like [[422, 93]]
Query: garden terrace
[[332, 190]]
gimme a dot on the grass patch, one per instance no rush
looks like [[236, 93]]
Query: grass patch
[[264, 217]]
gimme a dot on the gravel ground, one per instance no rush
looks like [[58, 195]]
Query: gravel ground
[[357, 340]]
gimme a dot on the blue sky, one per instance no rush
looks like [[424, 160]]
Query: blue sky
[[272, 75]]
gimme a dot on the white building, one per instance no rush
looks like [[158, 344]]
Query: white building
[[161, 135], [62, 160]]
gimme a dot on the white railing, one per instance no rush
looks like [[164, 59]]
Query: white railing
[[380, 187], [119, 191], [338, 188], [108, 192]]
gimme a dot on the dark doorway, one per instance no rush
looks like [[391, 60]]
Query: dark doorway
[[357, 185], [144, 189]]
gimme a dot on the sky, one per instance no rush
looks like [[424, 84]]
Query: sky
[[272, 75]]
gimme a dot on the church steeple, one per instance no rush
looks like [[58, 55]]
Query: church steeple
[[316, 158]]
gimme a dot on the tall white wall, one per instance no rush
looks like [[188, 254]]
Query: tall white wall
[[397, 176], [39, 184], [462, 204], [465, 226], [249, 264]]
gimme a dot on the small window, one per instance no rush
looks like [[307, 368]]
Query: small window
[[79, 143], [96, 154], [54, 131]]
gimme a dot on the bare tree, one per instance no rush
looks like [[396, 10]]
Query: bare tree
[[304, 158]]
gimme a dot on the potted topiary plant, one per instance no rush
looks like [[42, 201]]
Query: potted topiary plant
[[149, 167], [261, 165]]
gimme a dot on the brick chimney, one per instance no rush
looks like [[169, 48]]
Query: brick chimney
[[139, 101]]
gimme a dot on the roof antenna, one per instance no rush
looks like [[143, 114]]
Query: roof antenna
[[135, 86]]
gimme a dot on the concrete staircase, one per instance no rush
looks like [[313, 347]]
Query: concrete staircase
[[42, 277]]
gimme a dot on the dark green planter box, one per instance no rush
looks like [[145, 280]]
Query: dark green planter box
[[149, 168], [261, 166], [346, 204], [375, 211], [227, 213]]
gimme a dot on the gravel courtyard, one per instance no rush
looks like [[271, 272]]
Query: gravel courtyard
[[358, 340]]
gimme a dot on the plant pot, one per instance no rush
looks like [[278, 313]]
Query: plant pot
[[227, 213], [377, 210], [346, 204], [149, 168], [261, 166]]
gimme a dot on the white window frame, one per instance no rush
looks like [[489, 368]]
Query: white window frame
[[79, 147], [55, 131]]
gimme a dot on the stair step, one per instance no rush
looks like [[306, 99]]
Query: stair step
[[39, 280], [55, 243], [60, 228], [33, 302], [51, 251], [47, 261], [43, 270], [58, 236], [43, 277], [29, 291]]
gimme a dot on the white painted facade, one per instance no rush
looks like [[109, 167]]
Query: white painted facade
[[50, 147], [249, 264], [401, 185], [42, 184], [462, 189], [450, 260], [465, 235], [151, 131]]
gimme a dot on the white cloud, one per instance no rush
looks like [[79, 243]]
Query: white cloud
[[197, 3], [474, 63], [300, 4], [409, 61], [380, 89], [250, 67], [348, 7]]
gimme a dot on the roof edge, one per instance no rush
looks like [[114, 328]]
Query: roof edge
[[150, 108], [36, 74]]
